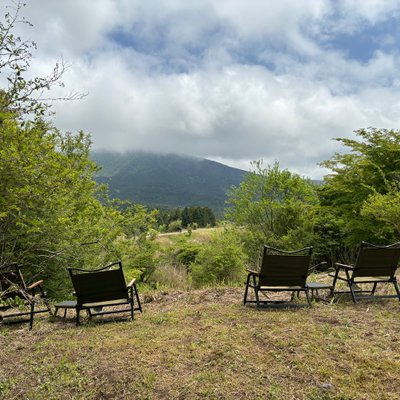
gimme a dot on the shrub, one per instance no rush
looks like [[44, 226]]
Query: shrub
[[221, 260], [175, 226]]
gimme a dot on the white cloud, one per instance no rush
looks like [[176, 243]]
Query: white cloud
[[372, 11], [227, 80], [70, 27]]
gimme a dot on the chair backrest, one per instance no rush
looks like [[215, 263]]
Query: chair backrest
[[285, 268], [11, 280], [104, 284], [374, 260]]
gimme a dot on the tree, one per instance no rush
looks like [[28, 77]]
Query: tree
[[52, 213], [360, 182], [202, 216], [274, 206], [384, 209], [46, 191]]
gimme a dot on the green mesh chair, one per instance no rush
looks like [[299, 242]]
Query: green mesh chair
[[281, 271], [374, 265], [98, 290]]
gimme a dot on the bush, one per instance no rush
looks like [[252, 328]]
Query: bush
[[222, 260], [175, 226]]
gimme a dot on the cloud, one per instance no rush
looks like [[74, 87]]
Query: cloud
[[228, 80]]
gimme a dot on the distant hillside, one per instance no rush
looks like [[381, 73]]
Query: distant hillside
[[167, 181]]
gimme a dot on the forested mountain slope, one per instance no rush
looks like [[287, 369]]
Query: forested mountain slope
[[167, 180]]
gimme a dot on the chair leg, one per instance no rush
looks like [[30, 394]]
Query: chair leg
[[353, 294], [31, 316], [45, 300], [137, 298], [374, 288], [78, 310], [257, 297], [396, 286], [334, 281], [256, 291], [308, 297], [132, 309], [246, 289]]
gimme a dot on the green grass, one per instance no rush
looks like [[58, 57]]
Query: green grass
[[206, 345]]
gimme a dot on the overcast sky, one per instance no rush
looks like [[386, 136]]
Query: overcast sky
[[228, 80]]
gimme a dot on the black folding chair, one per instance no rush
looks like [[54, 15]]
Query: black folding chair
[[374, 264], [97, 290], [280, 271]]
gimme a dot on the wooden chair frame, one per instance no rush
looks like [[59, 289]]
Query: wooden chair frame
[[102, 288], [375, 264], [12, 284], [280, 271]]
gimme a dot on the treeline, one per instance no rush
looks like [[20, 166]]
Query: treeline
[[359, 201], [195, 217]]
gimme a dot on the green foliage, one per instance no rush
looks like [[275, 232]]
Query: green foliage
[[12, 302], [221, 260], [125, 232], [384, 209], [187, 253], [201, 216], [175, 226], [360, 183], [46, 189], [182, 252], [274, 206], [53, 215]]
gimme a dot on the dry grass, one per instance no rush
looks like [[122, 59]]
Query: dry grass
[[199, 235], [206, 345]]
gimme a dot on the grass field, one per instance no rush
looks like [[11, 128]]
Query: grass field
[[205, 344], [199, 235]]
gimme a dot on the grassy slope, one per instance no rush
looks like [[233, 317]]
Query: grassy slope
[[206, 345]]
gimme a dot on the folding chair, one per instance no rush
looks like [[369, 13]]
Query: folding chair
[[105, 287], [374, 264], [280, 271], [15, 295]]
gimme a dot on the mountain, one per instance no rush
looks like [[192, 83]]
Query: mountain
[[167, 180]]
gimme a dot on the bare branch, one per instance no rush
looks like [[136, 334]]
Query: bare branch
[[26, 96]]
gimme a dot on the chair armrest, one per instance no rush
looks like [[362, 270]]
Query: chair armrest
[[251, 272], [319, 264], [343, 266], [33, 285], [131, 283]]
